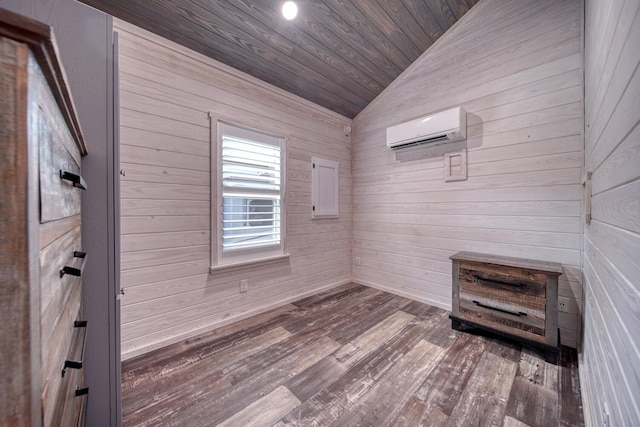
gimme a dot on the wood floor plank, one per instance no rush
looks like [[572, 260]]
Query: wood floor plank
[[414, 307], [327, 371], [511, 422], [379, 300], [503, 348], [534, 394], [434, 400], [211, 412], [569, 398], [384, 400], [229, 353], [323, 312], [349, 356], [335, 294], [164, 404], [439, 327], [325, 407], [264, 411], [316, 377], [253, 326], [249, 366], [484, 400], [443, 388], [415, 413], [372, 338], [182, 374], [379, 308]]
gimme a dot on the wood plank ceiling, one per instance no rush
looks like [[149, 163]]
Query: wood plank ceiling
[[337, 53]]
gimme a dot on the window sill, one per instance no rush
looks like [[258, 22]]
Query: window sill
[[243, 264]]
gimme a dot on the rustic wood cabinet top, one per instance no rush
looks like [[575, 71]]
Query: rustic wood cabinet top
[[552, 268], [42, 42]]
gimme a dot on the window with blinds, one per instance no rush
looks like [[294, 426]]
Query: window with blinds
[[250, 172]]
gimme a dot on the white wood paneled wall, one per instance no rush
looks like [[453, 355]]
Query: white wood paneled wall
[[166, 92], [610, 377], [516, 67]]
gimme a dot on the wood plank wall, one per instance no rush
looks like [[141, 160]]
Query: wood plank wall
[[166, 93], [517, 69], [611, 350]]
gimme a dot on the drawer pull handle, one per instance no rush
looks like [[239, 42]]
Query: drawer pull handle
[[502, 310], [492, 282], [71, 364], [73, 271], [76, 180], [76, 363], [82, 391]]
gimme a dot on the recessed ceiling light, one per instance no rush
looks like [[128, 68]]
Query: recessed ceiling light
[[289, 10]]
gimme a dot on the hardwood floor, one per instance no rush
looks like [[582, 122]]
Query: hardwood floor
[[346, 357]]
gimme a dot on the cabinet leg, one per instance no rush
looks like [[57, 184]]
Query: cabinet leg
[[455, 324], [551, 357]]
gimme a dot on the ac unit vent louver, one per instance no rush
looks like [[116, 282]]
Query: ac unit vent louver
[[439, 128]]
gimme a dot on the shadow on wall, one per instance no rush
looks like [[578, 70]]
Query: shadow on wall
[[570, 285]]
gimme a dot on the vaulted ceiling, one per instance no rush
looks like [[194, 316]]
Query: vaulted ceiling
[[336, 53]]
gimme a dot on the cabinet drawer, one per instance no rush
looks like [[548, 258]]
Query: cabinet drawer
[[506, 317], [509, 285], [56, 288], [59, 197], [68, 379], [60, 305], [56, 355], [71, 405]]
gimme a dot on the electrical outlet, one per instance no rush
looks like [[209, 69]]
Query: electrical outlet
[[358, 260], [605, 415], [244, 285], [563, 304]]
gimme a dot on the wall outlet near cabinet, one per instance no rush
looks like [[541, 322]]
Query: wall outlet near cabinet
[[563, 304], [244, 285], [358, 260]]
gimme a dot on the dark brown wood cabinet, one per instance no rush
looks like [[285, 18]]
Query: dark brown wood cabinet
[[42, 257], [514, 297]]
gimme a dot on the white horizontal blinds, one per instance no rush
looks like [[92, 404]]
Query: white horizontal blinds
[[251, 189]]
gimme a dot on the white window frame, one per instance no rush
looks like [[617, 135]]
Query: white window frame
[[240, 257]]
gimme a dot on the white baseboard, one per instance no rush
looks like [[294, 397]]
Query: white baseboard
[[402, 294]]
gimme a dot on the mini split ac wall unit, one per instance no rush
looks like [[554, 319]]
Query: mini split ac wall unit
[[435, 129]]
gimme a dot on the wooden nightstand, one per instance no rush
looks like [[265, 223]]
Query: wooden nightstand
[[513, 297]]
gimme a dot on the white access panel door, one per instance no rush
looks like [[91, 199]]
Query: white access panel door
[[325, 179]]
